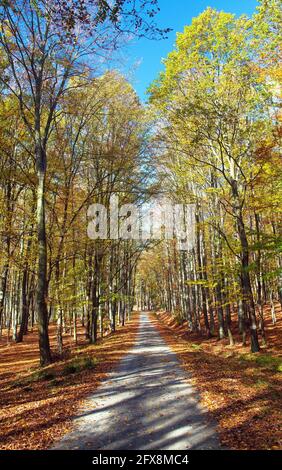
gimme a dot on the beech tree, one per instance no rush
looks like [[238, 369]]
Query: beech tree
[[212, 100], [45, 44], [74, 134]]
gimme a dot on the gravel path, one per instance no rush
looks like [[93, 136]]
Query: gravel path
[[147, 403]]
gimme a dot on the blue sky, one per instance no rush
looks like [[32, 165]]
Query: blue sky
[[174, 14]]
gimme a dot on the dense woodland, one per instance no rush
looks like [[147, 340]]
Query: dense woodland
[[219, 107], [73, 133]]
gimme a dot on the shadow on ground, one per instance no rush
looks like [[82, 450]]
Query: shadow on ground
[[146, 403]]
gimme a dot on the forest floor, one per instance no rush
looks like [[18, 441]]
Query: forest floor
[[242, 391], [146, 403], [37, 405]]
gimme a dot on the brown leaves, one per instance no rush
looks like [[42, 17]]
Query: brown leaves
[[37, 411], [243, 396]]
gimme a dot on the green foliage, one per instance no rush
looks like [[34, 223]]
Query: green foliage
[[264, 360], [79, 364], [196, 347]]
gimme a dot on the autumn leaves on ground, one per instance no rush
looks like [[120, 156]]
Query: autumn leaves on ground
[[37, 404], [109, 201], [241, 391]]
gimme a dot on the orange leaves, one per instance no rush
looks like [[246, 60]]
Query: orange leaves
[[243, 396], [34, 413]]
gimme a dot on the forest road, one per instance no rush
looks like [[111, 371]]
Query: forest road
[[146, 403]]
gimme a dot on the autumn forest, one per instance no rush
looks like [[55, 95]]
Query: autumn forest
[[73, 309]]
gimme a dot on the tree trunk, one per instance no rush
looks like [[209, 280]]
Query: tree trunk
[[25, 312], [42, 311], [245, 275], [259, 283]]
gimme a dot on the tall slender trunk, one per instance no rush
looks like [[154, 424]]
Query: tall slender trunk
[[95, 298], [202, 278], [25, 288], [42, 311], [228, 321], [245, 275], [220, 313], [259, 282], [24, 319], [6, 268]]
